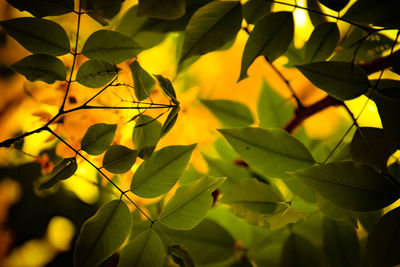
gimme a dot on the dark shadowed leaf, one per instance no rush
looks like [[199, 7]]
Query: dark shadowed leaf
[[322, 42], [315, 17], [162, 9], [39, 36], [110, 46], [142, 81], [270, 37], [384, 241], [253, 200], [298, 252], [180, 255], [254, 10], [340, 243], [371, 146], [170, 121], [336, 5], [334, 212], [98, 138], [272, 152], [190, 204], [229, 113], [207, 243], [102, 234], [294, 55], [210, 27], [119, 159], [167, 88], [41, 68], [146, 249], [273, 110], [342, 80], [43, 8], [374, 12], [102, 10], [351, 185], [368, 220], [61, 171], [96, 73], [158, 174], [145, 135]]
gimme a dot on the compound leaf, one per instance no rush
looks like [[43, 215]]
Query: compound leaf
[[96, 73], [102, 234], [98, 138], [119, 159]]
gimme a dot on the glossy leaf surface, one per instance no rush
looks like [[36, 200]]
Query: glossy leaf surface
[[158, 174], [119, 159], [98, 138]]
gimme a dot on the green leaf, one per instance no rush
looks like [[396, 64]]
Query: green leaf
[[298, 251], [272, 152], [110, 46], [372, 147], [41, 68], [336, 5], [340, 243], [145, 250], [61, 171], [253, 200], [270, 37], [143, 82], [351, 185], [102, 10], [315, 17], [342, 80], [384, 241], [322, 42], [273, 111], [229, 113], [179, 254], [158, 174], [207, 243], [389, 111], [98, 138], [210, 27], [119, 159], [336, 213], [162, 9], [39, 36], [368, 220], [171, 120], [96, 73], [190, 204], [382, 14], [294, 55], [43, 8], [167, 88], [145, 135], [102, 234], [253, 10]]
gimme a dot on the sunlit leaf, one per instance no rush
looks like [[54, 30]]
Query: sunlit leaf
[[39, 36], [294, 55], [298, 251], [171, 120], [332, 211], [163, 9], [322, 42], [229, 113], [340, 243], [159, 173], [270, 37], [98, 138], [43, 8], [41, 68], [373, 12], [110, 46], [102, 234], [272, 152], [96, 73], [336, 5], [371, 146], [253, 200], [119, 159], [145, 135], [384, 241], [350, 185], [207, 243], [61, 171], [254, 10], [342, 80], [167, 88], [273, 110], [211, 26], [189, 205], [146, 249], [142, 81]]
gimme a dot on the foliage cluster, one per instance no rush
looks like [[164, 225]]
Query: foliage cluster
[[274, 197]]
